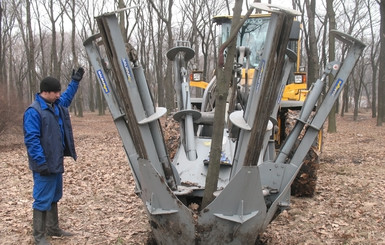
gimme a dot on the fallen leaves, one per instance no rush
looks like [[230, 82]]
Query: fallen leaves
[[348, 206], [101, 206]]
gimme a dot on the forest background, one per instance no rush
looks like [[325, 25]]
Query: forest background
[[44, 37]]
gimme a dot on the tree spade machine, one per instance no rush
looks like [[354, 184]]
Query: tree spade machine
[[254, 179]]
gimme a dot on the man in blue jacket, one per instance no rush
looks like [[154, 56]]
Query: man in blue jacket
[[48, 138]]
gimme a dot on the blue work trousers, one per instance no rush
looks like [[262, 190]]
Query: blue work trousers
[[46, 190]]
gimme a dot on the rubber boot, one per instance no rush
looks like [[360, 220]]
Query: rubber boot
[[53, 223], [39, 219]]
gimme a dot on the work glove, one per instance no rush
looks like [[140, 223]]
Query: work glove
[[78, 75], [43, 170]]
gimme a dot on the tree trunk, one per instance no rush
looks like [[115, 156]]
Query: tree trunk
[[159, 68], [45, 69], [332, 125], [157, 46], [374, 63], [2, 52], [99, 102], [313, 62], [79, 94], [345, 100], [31, 53], [122, 20], [91, 91], [54, 71], [224, 75], [381, 78], [169, 93], [358, 79]]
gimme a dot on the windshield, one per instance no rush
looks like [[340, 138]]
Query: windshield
[[252, 35]]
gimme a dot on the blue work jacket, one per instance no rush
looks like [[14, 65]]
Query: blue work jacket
[[48, 132]]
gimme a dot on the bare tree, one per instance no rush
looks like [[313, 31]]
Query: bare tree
[[191, 22], [356, 24], [374, 58], [354, 21], [72, 14], [31, 53], [89, 9], [7, 34], [202, 36], [156, 34], [358, 77], [381, 79], [18, 10], [163, 11], [143, 43], [224, 75], [2, 56], [43, 57], [223, 82], [308, 10], [40, 40], [332, 126], [54, 18]]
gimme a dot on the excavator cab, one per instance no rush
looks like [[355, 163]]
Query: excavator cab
[[251, 35]]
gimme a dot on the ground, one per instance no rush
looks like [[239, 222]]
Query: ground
[[100, 205]]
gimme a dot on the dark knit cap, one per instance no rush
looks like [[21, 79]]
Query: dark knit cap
[[50, 84]]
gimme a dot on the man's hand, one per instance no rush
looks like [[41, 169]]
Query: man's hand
[[78, 75], [43, 169], [45, 172]]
